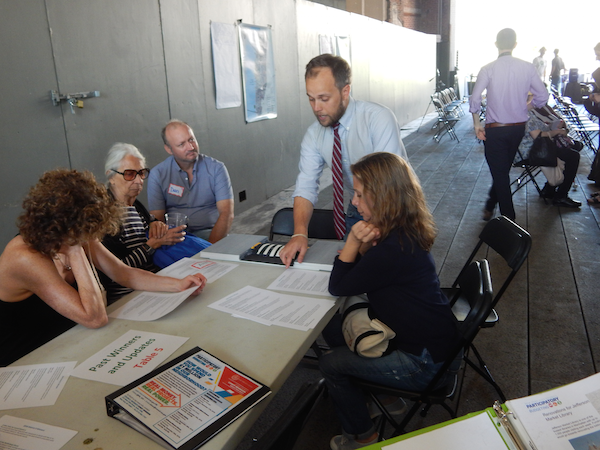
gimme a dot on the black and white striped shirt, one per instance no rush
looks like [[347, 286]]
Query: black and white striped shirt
[[130, 247]]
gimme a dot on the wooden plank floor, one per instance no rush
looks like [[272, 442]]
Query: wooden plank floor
[[549, 332]]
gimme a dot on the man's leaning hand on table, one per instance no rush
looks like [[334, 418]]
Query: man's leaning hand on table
[[297, 244]]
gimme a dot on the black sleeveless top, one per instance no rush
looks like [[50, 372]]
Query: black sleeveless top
[[26, 325]]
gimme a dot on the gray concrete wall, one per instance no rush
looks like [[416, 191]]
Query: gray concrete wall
[[152, 61]]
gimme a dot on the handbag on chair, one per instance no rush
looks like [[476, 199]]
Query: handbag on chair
[[543, 152], [364, 335]]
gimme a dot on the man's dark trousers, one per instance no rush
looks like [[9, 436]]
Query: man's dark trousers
[[571, 159], [501, 144]]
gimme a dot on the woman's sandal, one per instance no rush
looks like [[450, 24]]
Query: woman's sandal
[[595, 194]]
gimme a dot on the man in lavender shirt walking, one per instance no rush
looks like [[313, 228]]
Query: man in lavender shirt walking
[[508, 80]]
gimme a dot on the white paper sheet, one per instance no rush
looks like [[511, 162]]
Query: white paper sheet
[[128, 358], [212, 270], [475, 433], [147, 306], [226, 63], [23, 434], [299, 313], [302, 282], [33, 385]]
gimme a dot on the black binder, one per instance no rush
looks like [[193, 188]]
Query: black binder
[[265, 252], [182, 392]]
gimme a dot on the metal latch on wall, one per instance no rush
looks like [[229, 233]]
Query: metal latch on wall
[[74, 100]]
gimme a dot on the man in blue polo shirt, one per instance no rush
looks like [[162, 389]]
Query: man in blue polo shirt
[[191, 183]]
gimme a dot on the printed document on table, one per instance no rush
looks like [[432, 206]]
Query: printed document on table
[[300, 313], [303, 282], [129, 357], [23, 434], [34, 385], [566, 418], [474, 433], [147, 306], [212, 270]]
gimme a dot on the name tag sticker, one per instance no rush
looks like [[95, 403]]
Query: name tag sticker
[[175, 190]]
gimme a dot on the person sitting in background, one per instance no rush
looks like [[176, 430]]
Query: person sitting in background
[[543, 122], [592, 104], [192, 184], [140, 234], [386, 256], [49, 280]]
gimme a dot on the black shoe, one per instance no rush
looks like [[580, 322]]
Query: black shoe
[[567, 202], [487, 215], [548, 191]]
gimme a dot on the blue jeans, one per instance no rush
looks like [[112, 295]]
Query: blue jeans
[[398, 369], [352, 216]]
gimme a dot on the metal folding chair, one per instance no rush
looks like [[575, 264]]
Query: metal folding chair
[[528, 174], [475, 283], [513, 244], [446, 120]]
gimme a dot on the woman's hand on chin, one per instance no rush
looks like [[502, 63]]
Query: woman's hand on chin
[[365, 232]]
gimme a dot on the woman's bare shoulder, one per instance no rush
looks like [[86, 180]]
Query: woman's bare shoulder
[[20, 268], [18, 252]]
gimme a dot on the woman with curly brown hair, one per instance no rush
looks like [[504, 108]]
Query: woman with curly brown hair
[[386, 256], [49, 280]]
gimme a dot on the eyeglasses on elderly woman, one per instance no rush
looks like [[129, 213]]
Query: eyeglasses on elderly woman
[[130, 174]]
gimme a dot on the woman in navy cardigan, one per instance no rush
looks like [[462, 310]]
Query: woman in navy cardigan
[[387, 257]]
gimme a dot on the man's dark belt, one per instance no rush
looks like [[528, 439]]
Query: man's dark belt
[[498, 124]]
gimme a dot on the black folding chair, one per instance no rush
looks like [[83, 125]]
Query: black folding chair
[[320, 225], [513, 244], [446, 120], [580, 127], [476, 287], [451, 103], [528, 174]]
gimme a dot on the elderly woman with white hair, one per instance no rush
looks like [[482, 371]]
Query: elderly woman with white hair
[[140, 234]]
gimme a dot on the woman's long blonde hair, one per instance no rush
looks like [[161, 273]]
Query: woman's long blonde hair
[[397, 198]]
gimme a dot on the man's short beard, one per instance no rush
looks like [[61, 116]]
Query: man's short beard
[[338, 115]]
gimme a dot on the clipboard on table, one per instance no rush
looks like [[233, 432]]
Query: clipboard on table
[[184, 403]]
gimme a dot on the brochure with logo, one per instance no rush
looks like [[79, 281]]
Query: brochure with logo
[[184, 403], [565, 418]]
